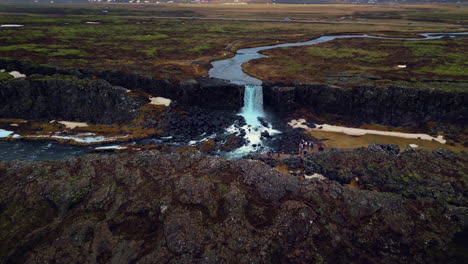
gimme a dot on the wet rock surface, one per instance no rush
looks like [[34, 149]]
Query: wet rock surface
[[187, 208], [186, 123]]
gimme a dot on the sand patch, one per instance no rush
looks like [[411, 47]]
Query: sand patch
[[160, 101], [17, 74], [11, 25], [72, 125], [301, 123]]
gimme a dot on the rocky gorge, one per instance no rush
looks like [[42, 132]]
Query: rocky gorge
[[367, 205], [386, 105]]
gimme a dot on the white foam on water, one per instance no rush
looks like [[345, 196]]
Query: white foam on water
[[82, 138], [251, 111], [111, 147], [5, 133]]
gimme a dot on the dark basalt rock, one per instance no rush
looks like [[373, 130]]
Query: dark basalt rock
[[185, 123], [383, 105], [411, 173], [208, 93], [67, 98], [186, 208], [233, 142]]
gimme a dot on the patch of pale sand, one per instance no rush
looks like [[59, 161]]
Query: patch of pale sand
[[17, 74], [14, 125], [160, 101], [314, 176], [361, 132], [72, 125], [413, 145]]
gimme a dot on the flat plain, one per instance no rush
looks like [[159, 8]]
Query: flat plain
[[177, 41]]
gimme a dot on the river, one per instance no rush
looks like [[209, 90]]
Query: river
[[228, 69]]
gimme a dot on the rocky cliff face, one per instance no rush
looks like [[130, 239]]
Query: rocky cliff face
[[393, 106], [169, 208], [67, 98], [207, 93], [383, 105]]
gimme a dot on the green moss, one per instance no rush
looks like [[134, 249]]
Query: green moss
[[79, 196], [5, 76], [360, 54], [200, 48], [68, 52], [152, 36]]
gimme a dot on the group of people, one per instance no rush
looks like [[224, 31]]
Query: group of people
[[304, 146]]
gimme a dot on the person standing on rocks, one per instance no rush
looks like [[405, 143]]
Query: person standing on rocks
[[320, 147]]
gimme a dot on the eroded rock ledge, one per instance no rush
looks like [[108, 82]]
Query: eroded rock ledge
[[67, 98], [187, 208], [393, 106]]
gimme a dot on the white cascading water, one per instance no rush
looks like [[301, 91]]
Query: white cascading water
[[252, 111], [253, 105]]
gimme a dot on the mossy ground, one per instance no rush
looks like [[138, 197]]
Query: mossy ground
[[130, 38], [351, 62]]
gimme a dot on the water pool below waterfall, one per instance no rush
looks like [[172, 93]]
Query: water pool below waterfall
[[228, 69]]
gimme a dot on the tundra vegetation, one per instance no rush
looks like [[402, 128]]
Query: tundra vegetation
[[139, 39]]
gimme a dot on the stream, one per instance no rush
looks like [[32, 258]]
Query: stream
[[228, 69]]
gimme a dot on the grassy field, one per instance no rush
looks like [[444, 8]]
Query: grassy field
[[343, 141], [348, 62], [134, 38]]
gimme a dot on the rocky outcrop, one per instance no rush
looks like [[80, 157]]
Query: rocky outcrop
[[412, 173], [186, 208], [185, 123], [209, 93], [383, 105], [67, 98]]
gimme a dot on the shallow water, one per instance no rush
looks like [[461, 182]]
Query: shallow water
[[231, 68]]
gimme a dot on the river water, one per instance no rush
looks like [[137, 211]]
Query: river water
[[229, 69]]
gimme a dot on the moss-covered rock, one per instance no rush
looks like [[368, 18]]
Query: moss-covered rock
[[153, 207]]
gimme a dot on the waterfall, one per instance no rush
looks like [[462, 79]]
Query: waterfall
[[253, 105]]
